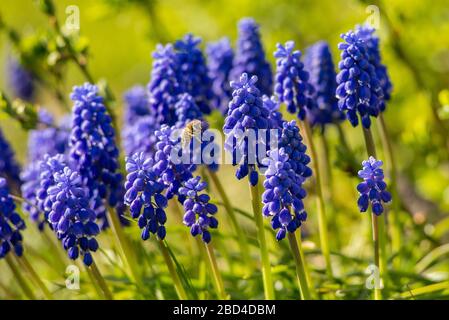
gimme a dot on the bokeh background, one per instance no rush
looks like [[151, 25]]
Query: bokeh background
[[121, 35]]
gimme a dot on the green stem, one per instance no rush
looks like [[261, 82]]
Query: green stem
[[127, 252], [221, 293], [57, 250], [328, 189], [322, 221], [241, 237], [300, 270], [100, 281], [171, 269], [266, 267], [306, 268], [20, 279], [35, 277], [378, 224], [395, 222], [94, 281]]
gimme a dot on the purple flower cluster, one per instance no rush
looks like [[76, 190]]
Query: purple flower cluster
[[164, 86], [373, 187], [136, 104], [93, 150], [173, 173], [11, 224], [192, 72], [9, 168], [139, 123], [287, 171], [291, 81], [144, 196], [372, 43], [187, 110], [21, 80], [318, 63], [250, 56], [198, 211], [220, 57], [65, 201], [358, 87], [246, 111], [48, 141]]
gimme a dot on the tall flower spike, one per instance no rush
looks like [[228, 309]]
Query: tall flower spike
[[291, 81], [139, 136], [144, 196], [66, 203], [199, 213], [318, 63], [164, 87], [250, 56], [246, 112], [372, 43], [373, 188], [172, 173], [11, 224], [9, 168], [21, 80], [192, 72], [287, 171], [41, 142], [187, 110], [94, 151], [220, 57], [136, 104], [275, 116], [358, 88]]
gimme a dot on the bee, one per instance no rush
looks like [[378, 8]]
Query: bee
[[193, 130]]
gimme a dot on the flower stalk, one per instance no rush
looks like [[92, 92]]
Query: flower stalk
[[395, 222], [266, 267], [20, 279], [378, 225], [300, 268], [212, 261], [23, 261], [322, 221], [96, 274], [242, 242], [171, 269]]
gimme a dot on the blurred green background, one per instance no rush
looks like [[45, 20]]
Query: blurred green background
[[414, 43]]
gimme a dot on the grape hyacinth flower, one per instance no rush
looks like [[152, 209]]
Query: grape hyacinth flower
[[11, 224], [275, 116], [372, 43], [9, 168], [192, 72], [144, 196], [246, 112], [140, 136], [220, 57], [291, 82], [172, 174], [373, 189], [136, 104], [65, 201], [93, 150], [21, 80], [199, 213], [358, 87], [187, 110], [318, 63], [286, 173], [164, 87], [250, 56]]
